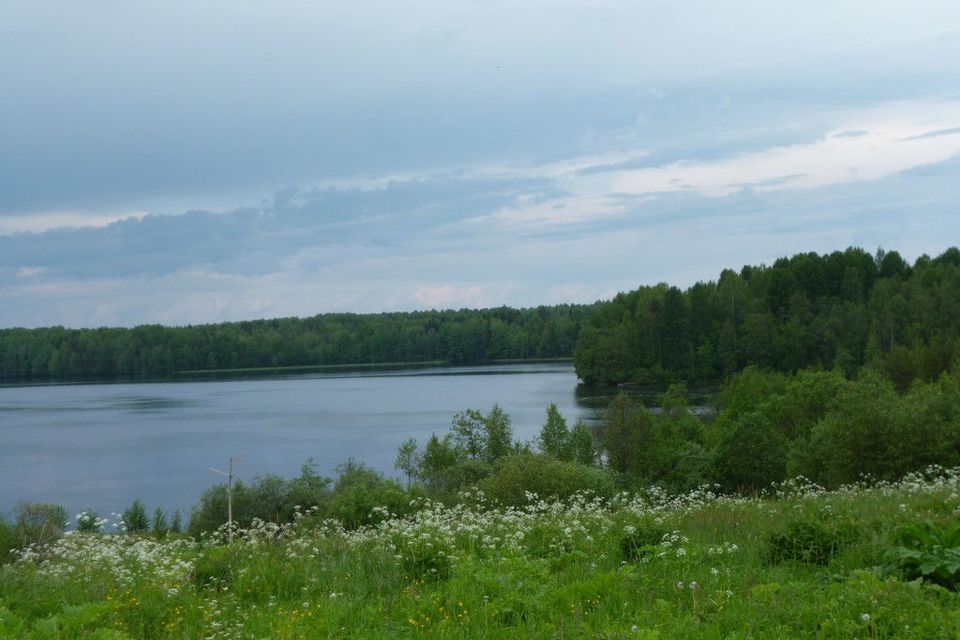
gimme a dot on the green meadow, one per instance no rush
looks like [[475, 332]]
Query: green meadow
[[877, 560]]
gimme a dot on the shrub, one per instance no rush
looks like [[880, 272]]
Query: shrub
[[752, 454], [211, 512], [808, 541], [926, 551], [805, 400], [269, 498], [452, 479], [747, 390], [689, 467], [862, 434], [546, 477], [358, 490]]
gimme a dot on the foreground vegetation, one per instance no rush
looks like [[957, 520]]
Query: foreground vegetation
[[877, 561], [566, 536]]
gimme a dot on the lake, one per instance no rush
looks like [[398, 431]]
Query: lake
[[99, 446]]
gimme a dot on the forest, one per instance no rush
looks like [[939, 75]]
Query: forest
[[840, 310], [452, 337]]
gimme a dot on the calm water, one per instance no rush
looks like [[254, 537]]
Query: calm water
[[99, 446]]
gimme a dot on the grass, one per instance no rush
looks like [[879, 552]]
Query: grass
[[640, 566]]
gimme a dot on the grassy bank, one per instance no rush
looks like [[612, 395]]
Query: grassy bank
[[803, 563]]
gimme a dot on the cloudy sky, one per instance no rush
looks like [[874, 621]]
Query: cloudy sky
[[197, 161]]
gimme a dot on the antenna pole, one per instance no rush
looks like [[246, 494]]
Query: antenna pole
[[229, 475]]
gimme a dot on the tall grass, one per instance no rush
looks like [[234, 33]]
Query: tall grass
[[801, 562]]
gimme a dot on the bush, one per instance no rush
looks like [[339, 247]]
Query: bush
[[748, 389], [269, 498], [544, 476], [452, 479], [926, 551], [358, 490], [868, 430], [752, 454], [809, 542]]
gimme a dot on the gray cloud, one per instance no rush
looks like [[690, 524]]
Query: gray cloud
[[112, 108], [851, 134], [289, 259], [936, 134], [253, 241], [118, 105]]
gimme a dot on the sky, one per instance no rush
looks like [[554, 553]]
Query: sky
[[198, 161]]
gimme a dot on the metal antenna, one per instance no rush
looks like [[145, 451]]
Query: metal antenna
[[229, 475]]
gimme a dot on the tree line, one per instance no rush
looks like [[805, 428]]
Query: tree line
[[454, 337], [839, 310]]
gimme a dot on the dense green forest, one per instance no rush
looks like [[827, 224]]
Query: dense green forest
[[842, 310], [454, 337]]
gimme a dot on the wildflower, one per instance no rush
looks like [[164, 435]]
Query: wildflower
[[865, 617], [680, 584]]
